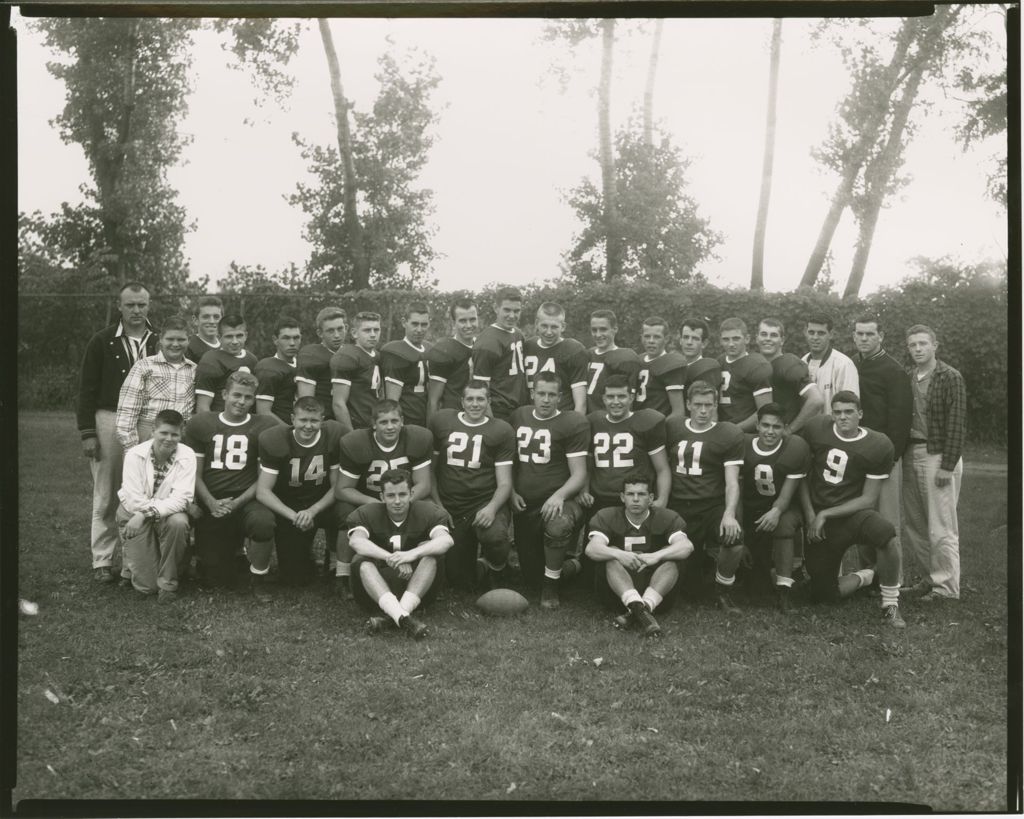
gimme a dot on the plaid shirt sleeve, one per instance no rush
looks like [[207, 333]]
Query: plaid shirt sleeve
[[947, 417], [131, 402]]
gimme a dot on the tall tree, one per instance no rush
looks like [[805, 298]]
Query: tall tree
[[652, 76], [767, 164]]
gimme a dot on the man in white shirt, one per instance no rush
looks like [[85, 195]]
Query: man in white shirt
[[831, 370]]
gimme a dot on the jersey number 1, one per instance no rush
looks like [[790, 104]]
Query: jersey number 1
[[229, 454], [315, 473], [458, 443], [694, 467]]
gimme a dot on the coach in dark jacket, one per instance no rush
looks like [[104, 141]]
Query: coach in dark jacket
[[109, 356]]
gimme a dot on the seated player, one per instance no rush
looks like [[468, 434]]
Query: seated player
[[637, 549], [473, 456], [216, 365], [226, 444], [397, 545], [550, 473], [849, 463], [159, 477], [298, 471], [773, 466]]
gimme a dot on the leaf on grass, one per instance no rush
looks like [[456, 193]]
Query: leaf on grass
[[653, 730], [598, 661], [559, 717], [888, 714], [51, 696], [617, 704], [418, 677], [51, 770], [371, 715], [219, 652], [174, 725], [510, 788]]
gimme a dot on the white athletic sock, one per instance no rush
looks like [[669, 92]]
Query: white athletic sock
[[866, 576], [409, 601], [781, 580], [631, 596], [652, 598], [890, 595], [261, 572], [723, 580], [342, 569], [391, 607], [552, 574]]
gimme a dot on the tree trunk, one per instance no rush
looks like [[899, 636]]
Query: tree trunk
[[652, 74], [613, 242], [350, 218], [760, 226]]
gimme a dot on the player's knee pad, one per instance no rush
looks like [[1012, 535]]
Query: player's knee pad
[[559, 527]]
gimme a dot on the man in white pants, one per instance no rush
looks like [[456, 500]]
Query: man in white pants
[[933, 468]]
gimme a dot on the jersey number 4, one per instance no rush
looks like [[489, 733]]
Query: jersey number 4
[[525, 436], [315, 472], [620, 445], [230, 452], [458, 443]]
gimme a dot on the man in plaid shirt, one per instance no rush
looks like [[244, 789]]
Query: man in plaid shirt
[[933, 468]]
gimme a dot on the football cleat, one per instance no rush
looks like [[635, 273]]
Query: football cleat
[[103, 574], [783, 599], [570, 568], [891, 616], [344, 588], [260, 586], [725, 602], [644, 618], [549, 595], [415, 628]]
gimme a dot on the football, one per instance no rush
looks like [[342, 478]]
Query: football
[[502, 602]]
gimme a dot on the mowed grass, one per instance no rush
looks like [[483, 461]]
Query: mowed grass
[[214, 697]]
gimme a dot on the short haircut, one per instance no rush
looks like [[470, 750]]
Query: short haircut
[[415, 307], [771, 408], [771, 321], [869, 319], [617, 381], [700, 387], [507, 294], [329, 314], [845, 397], [820, 318], [385, 405], [393, 477], [307, 403], [461, 304], [549, 377], [656, 321], [170, 417], [733, 323], [364, 316], [921, 328], [695, 323], [242, 379], [551, 308], [285, 322], [174, 323], [477, 384], [134, 286], [230, 320], [208, 301], [636, 476], [606, 314]]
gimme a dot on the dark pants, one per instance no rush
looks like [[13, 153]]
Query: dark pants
[[493, 542], [534, 536], [219, 539], [295, 548], [824, 558]]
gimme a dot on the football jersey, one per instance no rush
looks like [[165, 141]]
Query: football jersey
[[364, 460], [790, 380], [229, 451], [277, 384], [698, 459], [468, 454], [619, 532], [655, 378], [451, 362], [764, 472], [213, 370], [313, 366], [303, 471], [568, 358], [742, 379], [197, 348], [423, 521], [620, 361], [360, 370], [543, 449], [406, 366], [703, 369], [620, 447], [498, 360], [839, 466]]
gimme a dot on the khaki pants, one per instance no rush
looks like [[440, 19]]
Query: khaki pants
[[931, 531], [156, 555], [106, 480]]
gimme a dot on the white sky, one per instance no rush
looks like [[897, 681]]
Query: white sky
[[510, 144]]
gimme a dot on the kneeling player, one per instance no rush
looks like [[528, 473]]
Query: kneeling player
[[397, 545], [637, 548]]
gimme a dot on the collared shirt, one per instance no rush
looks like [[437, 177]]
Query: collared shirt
[[946, 414], [919, 422], [142, 491], [833, 372], [153, 384]]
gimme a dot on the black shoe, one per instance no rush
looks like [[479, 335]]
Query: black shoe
[[344, 588], [725, 601], [891, 616], [644, 618], [549, 595], [416, 629], [783, 599], [103, 574], [260, 586]]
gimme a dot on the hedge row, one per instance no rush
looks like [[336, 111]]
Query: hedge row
[[970, 320]]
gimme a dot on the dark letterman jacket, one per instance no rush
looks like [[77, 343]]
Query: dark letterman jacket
[[104, 367], [886, 398]]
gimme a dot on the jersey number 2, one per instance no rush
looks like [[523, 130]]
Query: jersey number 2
[[620, 455], [458, 443]]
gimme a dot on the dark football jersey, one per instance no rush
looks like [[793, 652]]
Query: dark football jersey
[[703, 369], [364, 460], [451, 362], [423, 521], [620, 447], [498, 360], [406, 366], [277, 384], [656, 378], [764, 472], [229, 452], [468, 454], [698, 459], [567, 358], [620, 361], [619, 532], [313, 366], [360, 371], [543, 449], [742, 379], [213, 371], [197, 348], [839, 467], [303, 472], [790, 379]]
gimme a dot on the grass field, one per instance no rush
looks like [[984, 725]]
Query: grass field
[[215, 698]]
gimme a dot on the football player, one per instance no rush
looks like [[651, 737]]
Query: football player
[[276, 373], [660, 380], [404, 365], [773, 466], [298, 471], [550, 352], [831, 370], [746, 377], [355, 374], [694, 336], [450, 361], [209, 311], [550, 473], [638, 549], [849, 464], [226, 444], [216, 365], [498, 356], [473, 456], [397, 542], [313, 364], [608, 359], [705, 457], [792, 386]]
